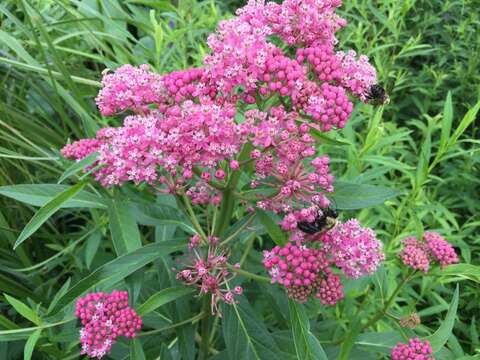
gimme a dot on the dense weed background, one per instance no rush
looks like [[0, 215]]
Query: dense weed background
[[427, 55]]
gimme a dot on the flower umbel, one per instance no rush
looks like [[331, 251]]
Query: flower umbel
[[415, 349], [104, 318], [209, 272]]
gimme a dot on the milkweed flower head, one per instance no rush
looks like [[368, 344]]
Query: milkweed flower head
[[353, 248], [304, 272], [209, 272], [286, 163], [105, 317], [129, 88], [433, 248], [415, 349]]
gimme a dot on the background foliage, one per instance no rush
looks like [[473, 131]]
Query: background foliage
[[424, 144]]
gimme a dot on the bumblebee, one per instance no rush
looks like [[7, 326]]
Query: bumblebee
[[376, 95], [325, 220]]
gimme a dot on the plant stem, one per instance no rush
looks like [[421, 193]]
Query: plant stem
[[205, 330], [249, 274], [389, 302], [239, 230], [173, 326]]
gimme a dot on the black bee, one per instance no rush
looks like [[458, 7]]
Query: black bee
[[376, 95], [326, 220]]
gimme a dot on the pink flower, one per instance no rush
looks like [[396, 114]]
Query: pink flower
[[303, 272], [104, 318], [440, 249], [415, 349], [209, 273], [415, 255], [131, 88], [433, 248], [354, 249]]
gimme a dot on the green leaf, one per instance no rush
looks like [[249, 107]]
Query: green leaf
[[446, 122], [246, 338], [136, 350], [91, 247], [306, 344], [440, 337], [273, 229], [118, 269], [23, 310], [77, 166], [468, 271], [59, 294], [41, 194], [45, 212], [124, 229], [326, 140], [382, 342], [163, 297], [160, 214], [351, 196], [469, 117], [30, 344]]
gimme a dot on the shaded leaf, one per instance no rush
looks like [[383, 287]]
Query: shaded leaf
[[351, 196]]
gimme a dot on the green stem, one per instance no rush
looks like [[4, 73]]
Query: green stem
[[173, 326], [205, 330], [389, 302], [239, 230], [249, 274]]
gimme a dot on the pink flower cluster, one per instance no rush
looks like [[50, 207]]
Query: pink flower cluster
[[129, 88], [305, 269], [104, 318], [353, 248], [304, 272], [419, 254], [285, 162], [183, 138], [209, 272], [415, 349], [185, 131]]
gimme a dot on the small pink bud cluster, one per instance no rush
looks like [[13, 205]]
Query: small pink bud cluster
[[416, 349], [131, 88], [209, 272], [104, 318], [304, 272], [81, 149], [353, 248], [433, 248], [328, 105], [186, 85], [282, 76]]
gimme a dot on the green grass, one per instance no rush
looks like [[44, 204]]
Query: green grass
[[425, 144]]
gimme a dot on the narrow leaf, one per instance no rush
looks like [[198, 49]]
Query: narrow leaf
[[163, 297], [41, 194], [136, 350], [306, 344], [30, 344], [273, 229], [124, 229], [440, 337], [23, 309], [246, 338], [118, 269], [446, 121], [351, 196], [77, 166], [47, 211]]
